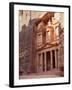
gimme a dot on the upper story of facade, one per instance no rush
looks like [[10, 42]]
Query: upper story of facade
[[49, 33], [49, 26]]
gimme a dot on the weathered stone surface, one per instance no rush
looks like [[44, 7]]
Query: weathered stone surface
[[50, 44]]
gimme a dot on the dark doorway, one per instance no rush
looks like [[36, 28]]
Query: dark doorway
[[39, 62], [43, 61], [48, 63], [57, 57], [53, 58]]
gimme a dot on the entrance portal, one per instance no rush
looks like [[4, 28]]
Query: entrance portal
[[53, 58], [48, 63], [43, 62]]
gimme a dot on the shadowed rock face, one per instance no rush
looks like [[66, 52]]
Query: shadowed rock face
[[26, 45]]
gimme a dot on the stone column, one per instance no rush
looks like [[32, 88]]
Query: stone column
[[39, 62], [51, 60], [55, 59], [45, 62]]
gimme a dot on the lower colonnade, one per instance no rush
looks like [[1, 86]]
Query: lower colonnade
[[47, 60]]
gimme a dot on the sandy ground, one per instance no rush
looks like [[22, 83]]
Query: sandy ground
[[49, 74]]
